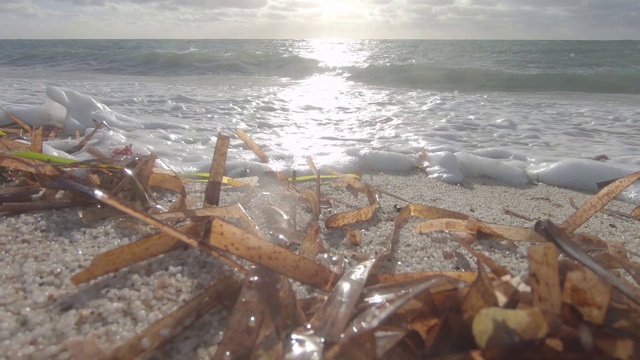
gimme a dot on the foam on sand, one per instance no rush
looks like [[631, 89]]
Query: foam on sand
[[73, 110], [579, 174], [50, 113]]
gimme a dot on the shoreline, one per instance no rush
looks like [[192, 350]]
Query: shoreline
[[41, 309]]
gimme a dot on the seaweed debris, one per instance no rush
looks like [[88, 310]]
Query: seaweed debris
[[572, 306]]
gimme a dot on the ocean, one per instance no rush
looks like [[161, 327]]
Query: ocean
[[476, 107]]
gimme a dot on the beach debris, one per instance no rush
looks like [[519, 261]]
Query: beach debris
[[312, 244], [351, 217], [544, 277], [20, 123], [126, 150], [82, 143], [572, 306], [315, 172], [495, 327], [461, 261], [306, 196], [247, 318], [555, 234], [517, 215], [228, 238], [131, 253], [212, 191], [331, 319], [354, 236], [598, 202], [314, 201], [252, 145], [163, 330]]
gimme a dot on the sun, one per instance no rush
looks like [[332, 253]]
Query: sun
[[335, 19], [333, 9]]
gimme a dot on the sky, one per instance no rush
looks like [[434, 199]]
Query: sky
[[412, 19]]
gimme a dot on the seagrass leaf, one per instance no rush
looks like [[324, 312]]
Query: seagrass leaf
[[253, 146], [351, 217], [163, 330], [229, 238], [598, 202], [212, 191], [131, 253]]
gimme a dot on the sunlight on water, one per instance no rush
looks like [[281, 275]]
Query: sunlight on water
[[321, 92], [326, 104], [335, 53], [322, 113]]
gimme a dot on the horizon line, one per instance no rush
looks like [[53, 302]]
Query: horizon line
[[333, 39]]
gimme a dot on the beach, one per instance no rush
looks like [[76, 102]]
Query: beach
[[505, 132], [41, 310]]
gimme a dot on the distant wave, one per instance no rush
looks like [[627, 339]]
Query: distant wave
[[470, 79], [197, 62], [459, 71], [166, 63]]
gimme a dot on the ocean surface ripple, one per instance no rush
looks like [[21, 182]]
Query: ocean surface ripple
[[526, 110]]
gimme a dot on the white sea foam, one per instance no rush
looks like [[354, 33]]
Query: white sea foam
[[317, 99], [187, 146], [505, 172], [50, 113], [386, 161], [583, 174], [444, 165]]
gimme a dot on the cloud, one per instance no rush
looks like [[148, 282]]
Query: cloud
[[220, 4], [292, 5], [534, 19], [379, 2], [573, 19], [89, 2], [20, 8], [431, 2], [202, 4]]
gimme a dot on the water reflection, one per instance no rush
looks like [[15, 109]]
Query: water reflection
[[335, 53], [326, 108]]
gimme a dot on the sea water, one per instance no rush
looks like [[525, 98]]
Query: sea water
[[566, 113]]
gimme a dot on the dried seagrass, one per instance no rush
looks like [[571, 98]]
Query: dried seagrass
[[563, 308]]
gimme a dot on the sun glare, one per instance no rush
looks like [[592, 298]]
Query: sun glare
[[332, 9], [322, 105], [334, 52], [346, 19], [316, 103]]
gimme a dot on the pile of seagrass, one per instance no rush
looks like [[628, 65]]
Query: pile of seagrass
[[571, 308]]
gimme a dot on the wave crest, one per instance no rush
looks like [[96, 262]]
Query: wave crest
[[473, 79], [203, 62]]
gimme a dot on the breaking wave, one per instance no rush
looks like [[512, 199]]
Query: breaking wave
[[490, 70], [470, 79]]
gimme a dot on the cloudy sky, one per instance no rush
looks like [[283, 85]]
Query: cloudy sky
[[449, 19]]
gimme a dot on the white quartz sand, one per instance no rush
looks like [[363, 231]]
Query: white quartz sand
[[40, 308]]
